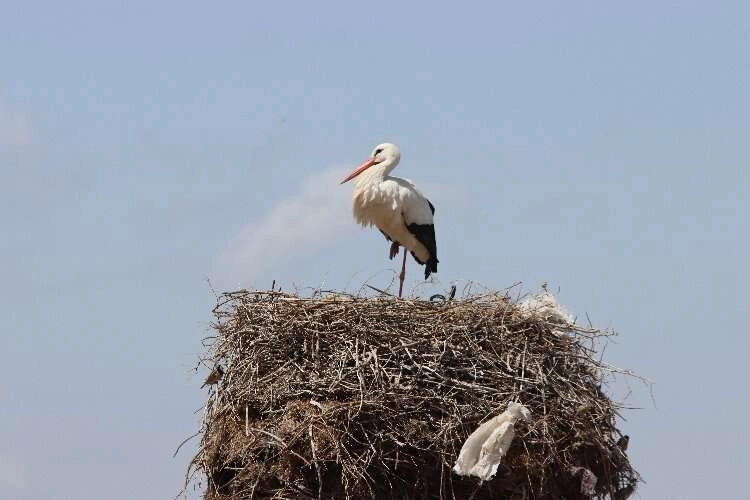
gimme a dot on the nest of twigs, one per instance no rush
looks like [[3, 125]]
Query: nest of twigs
[[344, 397]]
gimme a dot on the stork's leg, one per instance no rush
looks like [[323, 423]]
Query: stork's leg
[[402, 275], [394, 250]]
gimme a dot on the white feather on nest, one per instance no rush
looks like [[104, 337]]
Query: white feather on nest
[[544, 306]]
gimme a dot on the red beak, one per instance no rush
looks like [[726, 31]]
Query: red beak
[[369, 163]]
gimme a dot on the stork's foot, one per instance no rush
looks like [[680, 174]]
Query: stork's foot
[[394, 250]]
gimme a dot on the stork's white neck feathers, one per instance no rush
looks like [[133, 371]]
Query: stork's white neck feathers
[[377, 173]]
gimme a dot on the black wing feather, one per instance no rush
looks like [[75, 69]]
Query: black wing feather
[[425, 233]]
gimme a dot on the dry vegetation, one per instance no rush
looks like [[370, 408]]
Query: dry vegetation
[[342, 397]]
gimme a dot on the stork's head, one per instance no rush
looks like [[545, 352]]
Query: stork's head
[[386, 153], [386, 156]]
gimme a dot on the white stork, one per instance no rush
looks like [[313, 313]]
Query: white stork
[[396, 207]]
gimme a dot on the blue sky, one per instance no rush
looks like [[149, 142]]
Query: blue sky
[[147, 148]]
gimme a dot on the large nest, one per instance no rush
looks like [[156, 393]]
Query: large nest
[[342, 397]]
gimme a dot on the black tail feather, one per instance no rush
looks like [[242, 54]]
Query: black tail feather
[[425, 234], [430, 267]]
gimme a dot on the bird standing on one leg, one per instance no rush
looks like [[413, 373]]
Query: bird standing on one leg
[[396, 207]]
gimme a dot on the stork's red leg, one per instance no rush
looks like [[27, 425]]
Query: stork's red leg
[[402, 275], [394, 250]]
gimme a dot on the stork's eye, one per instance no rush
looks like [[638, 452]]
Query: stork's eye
[[378, 151]]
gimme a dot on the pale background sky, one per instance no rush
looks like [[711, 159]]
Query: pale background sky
[[147, 147]]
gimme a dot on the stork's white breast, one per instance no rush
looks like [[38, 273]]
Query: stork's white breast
[[391, 205]]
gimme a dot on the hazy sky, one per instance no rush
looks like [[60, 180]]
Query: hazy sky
[[146, 148]]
